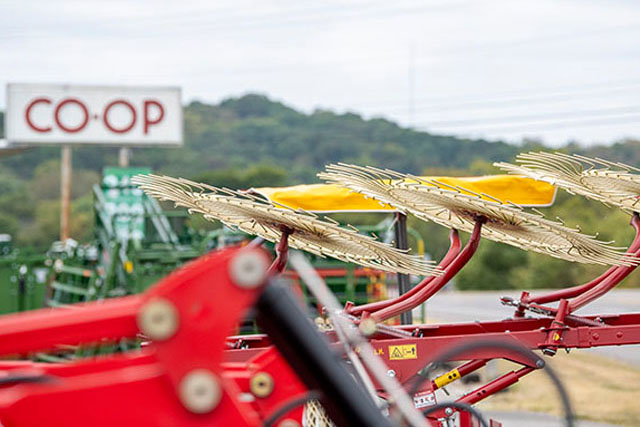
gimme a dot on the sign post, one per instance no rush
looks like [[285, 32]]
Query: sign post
[[65, 192], [67, 115], [124, 154]]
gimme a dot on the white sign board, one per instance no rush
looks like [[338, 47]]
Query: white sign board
[[70, 114]]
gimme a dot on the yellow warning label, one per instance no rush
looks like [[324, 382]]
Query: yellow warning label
[[403, 352]]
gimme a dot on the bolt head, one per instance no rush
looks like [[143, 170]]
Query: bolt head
[[248, 269], [391, 373], [367, 327], [158, 319], [448, 411], [199, 391], [261, 384]]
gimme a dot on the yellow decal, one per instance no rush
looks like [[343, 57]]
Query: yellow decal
[[403, 352]]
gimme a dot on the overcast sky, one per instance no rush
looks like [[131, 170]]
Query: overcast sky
[[505, 69]]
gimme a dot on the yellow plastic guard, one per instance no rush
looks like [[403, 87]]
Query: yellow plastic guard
[[334, 198]]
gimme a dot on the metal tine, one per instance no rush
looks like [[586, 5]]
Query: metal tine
[[515, 205], [488, 196], [540, 214], [343, 168], [331, 220], [550, 162], [564, 162], [354, 229], [575, 161], [466, 190], [439, 185]]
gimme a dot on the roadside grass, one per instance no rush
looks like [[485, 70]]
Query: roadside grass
[[601, 389]]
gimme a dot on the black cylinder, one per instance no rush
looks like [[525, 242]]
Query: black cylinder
[[308, 353]]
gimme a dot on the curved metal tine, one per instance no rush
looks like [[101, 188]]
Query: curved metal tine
[[352, 228], [493, 198], [609, 163], [351, 170], [463, 190], [515, 205], [589, 161], [564, 162], [549, 162], [537, 212], [331, 220], [439, 185]]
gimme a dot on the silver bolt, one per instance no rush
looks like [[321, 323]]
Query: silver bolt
[[248, 269], [391, 373], [448, 411], [158, 319], [540, 363], [368, 327], [199, 391]]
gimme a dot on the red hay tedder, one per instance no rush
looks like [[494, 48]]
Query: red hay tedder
[[355, 369]]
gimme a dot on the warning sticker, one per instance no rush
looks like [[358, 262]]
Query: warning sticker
[[424, 399], [403, 352]]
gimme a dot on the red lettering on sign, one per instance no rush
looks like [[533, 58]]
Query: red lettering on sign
[[147, 120], [82, 125], [105, 116], [27, 114]]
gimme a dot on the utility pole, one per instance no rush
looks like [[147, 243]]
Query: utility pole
[[402, 242], [124, 155], [65, 192], [412, 83]]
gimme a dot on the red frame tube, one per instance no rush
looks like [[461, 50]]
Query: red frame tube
[[282, 252], [452, 253], [434, 286], [496, 385], [605, 286], [606, 276]]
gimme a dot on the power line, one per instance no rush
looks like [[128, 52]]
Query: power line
[[543, 126], [540, 98], [528, 117]]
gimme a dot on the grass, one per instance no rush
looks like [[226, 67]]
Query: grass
[[601, 389]]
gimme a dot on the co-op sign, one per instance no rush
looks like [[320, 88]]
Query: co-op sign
[[68, 114]]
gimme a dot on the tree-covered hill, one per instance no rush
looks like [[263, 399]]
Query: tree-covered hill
[[255, 130]]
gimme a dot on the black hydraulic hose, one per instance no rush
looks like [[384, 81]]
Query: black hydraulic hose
[[309, 354], [476, 345]]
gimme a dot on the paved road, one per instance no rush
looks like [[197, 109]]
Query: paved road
[[530, 419], [453, 306]]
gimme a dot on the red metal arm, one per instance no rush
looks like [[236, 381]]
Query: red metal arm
[[44, 329], [452, 253], [282, 252], [605, 286], [434, 286], [580, 289], [180, 374], [496, 385]]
